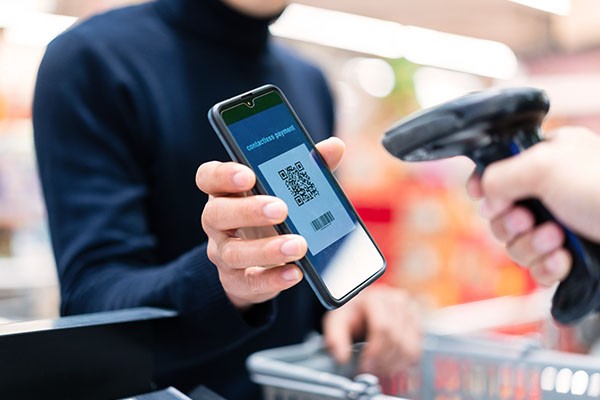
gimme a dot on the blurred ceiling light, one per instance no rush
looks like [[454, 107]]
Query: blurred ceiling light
[[36, 29], [567, 92], [374, 75], [11, 9], [460, 53], [392, 40], [341, 30], [434, 86], [7, 11], [560, 7]]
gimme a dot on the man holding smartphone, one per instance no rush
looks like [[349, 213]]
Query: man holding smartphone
[[120, 129]]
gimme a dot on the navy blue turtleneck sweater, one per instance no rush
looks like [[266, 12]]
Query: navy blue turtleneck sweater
[[120, 129]]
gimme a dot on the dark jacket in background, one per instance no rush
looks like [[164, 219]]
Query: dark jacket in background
[[120, 129]]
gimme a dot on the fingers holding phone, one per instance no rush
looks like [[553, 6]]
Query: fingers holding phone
[[261, 130], [253, 262]]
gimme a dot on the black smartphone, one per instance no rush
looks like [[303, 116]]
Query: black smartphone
[[261, 130]]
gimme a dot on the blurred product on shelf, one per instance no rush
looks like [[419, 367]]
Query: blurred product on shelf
[[436, 244], [28, 284], [22, 216], [2, 107]]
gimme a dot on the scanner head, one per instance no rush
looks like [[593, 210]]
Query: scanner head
[[468, 124]]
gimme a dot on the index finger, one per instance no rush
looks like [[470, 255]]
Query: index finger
[[218, 178]]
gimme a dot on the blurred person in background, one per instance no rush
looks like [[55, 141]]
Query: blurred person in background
[[562, 172], [120, 130]]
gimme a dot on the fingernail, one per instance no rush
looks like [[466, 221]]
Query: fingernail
[[291, 247], [555, 263], [515, 223], [275, 210], [290, 274], [545, 240], [242, 178]]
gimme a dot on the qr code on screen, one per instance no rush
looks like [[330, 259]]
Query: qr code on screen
[[298, 182]]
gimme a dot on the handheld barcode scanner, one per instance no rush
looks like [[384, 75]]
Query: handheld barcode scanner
[[488, 126]]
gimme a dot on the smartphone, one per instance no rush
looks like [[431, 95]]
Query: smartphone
[[261, 130]]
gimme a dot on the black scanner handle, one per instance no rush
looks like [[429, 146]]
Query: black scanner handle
[[576, 296], [579, 293], [488, 126]]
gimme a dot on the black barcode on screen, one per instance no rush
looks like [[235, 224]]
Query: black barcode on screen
[[322, 221]]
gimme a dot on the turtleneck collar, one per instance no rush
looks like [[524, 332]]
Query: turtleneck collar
[[215, 20]]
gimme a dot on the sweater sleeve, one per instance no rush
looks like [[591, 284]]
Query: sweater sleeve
[[94, 161]]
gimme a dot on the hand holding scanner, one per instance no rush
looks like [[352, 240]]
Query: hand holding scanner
[[488, 126]]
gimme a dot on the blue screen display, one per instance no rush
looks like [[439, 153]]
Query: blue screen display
[[276, 147]]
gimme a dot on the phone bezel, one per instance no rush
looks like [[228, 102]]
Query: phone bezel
[[236, 154]]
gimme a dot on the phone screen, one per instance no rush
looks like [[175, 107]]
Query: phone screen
[[275, 145]]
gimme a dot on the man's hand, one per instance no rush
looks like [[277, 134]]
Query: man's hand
[[253, 268], [387, 319]]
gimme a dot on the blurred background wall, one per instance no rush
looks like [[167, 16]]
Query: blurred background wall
[[384, 59]]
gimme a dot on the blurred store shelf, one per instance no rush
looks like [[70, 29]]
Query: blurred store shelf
[[27, 272], [491, 314], [374, 88], [28, 287]]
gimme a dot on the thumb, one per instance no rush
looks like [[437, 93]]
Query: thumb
[[518, 177], [332, 151]]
